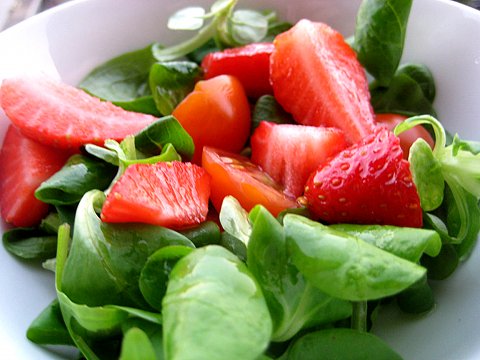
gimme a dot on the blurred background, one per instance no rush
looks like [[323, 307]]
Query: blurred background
[[14, 11]]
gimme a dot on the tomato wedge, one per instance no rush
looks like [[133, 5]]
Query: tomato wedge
[[235, 175], [216, 113]]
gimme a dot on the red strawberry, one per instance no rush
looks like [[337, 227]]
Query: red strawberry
[[317, 78], [170, 194], [63, 116], [367, 183], [290, 153], [249, 64], [24, 165]]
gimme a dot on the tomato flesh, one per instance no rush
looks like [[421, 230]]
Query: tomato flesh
[[216, 113], [235, 175]]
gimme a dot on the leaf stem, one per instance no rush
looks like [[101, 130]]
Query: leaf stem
[[359, 316]]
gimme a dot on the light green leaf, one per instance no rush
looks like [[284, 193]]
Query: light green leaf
[[234, 219], [189, 18]]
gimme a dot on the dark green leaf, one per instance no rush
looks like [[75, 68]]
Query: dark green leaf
[[30, 243], [234, 244], [443, 265], [79, 175], [344, 344], [227, 314], [163, 131], [48, 328], [170, 82], [417, 299], [410, 92], [380, 35], [207, 233], [123, 80], [154, 276], [268, 109]]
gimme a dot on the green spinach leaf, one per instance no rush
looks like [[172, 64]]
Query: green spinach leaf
[[407, 243], [206, 233], [293, 302], [30, 243], [112, 254], [227, 314], [345, 344], [166, 130], [345, 266], [79, 175], [137, 346], [123, 80], [380, 35], [268, 109], [156, 271], [410, 92], [48, 328], [170, 82]]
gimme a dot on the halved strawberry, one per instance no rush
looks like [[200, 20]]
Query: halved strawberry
[[317, 78], [290, 153], [63, 116], [249, 64], [367, 183], [24, 165], [170, 194]]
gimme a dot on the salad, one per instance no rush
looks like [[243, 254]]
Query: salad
[[260, 255]]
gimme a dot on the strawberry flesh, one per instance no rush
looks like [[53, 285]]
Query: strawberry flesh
[[60, 115], [24, 165], [170, 194], [317, 78], [289, 153]]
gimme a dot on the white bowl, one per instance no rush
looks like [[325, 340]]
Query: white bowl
[[67, 41]]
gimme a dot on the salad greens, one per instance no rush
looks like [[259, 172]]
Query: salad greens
[[256, 287]]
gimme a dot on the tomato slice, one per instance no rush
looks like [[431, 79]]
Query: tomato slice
[[235, 175]]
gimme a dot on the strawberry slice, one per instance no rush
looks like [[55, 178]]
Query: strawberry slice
[[63, 116], [317, 78], [170, 194], [290, 153], [367, 183], [25, 165], [249, 64]]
